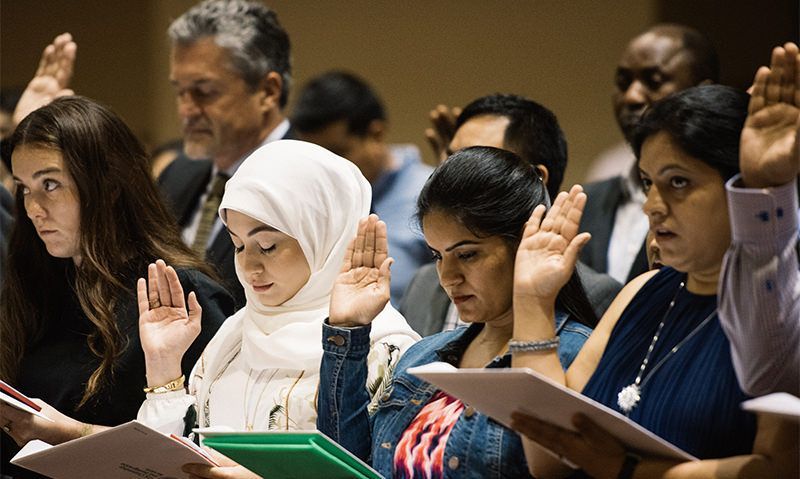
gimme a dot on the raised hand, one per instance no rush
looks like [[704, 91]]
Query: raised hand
[[443, 128], [770, 143], [51, 79], [361, 290], [549, 248], [166, 327]]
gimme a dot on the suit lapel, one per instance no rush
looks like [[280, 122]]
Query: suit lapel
[[183, 183]]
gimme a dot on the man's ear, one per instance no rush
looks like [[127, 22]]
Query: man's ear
[[707, 81], [543, 173], [270, 88], [377, 129]]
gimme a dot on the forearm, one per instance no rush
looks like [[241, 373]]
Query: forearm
[[534, 321], [760, 290], [775, 454], [343, 396]]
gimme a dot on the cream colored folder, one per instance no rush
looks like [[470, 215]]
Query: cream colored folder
[[129, 451]]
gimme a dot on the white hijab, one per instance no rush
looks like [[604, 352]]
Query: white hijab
[[317, 198]]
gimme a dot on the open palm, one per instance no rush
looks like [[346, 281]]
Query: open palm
[[52, 77], [770, 141], [166, 327], [549, 248], [361, 290]]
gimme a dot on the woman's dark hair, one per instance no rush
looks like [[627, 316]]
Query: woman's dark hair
[[705, 121], [124, 227], [492, 192]]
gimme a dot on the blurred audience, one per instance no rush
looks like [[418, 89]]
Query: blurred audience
[[665, 59], [342, 113]]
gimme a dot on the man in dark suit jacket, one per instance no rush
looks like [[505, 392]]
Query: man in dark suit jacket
[[230, 101], [663, 60]]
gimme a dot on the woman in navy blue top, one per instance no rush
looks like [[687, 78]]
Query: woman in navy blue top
[[659, 354]]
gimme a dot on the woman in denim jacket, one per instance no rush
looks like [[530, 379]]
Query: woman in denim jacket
[[472, 211]]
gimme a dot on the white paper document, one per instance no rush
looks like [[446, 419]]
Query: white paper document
[[778, 404], [128, 451], [16, 399], [499, 392]]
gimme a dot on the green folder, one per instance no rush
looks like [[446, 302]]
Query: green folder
[[290, 454]]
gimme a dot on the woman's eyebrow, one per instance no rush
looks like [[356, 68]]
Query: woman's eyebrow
[[39, 173]]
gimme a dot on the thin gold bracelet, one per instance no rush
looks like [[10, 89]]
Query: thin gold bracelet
[[174, 385]]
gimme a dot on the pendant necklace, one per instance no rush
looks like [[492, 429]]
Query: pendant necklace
[[629, 396]]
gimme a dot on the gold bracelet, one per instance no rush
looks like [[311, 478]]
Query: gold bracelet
[[86, 429], [173, 385]]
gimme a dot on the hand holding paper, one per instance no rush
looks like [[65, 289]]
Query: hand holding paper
[[226, 469], [23, 423]]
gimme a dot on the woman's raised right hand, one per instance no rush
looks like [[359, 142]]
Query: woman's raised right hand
[[166, 327]]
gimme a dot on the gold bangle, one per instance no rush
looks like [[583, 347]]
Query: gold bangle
[[173, 385]]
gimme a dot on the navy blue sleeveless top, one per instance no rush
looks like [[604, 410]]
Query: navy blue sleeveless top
[[693, 399]]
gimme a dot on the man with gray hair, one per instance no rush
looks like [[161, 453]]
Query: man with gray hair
[[231, 69]]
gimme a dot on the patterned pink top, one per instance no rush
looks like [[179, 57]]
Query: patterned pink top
[[420, 452]]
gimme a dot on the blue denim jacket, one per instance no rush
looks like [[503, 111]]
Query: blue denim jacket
[[477, 447]]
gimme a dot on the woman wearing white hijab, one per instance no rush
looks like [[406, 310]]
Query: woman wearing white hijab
[[291, 209]]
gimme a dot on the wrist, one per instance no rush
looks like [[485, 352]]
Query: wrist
[[162, 371], [176, 384], [533, 320], [344, 322]]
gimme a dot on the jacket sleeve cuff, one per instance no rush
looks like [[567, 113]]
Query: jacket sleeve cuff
[[759, 214], [346, 341]]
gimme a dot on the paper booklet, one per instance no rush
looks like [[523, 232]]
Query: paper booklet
[[499, 392], [16, 399], [778, 404], [128, 451], [288, 454]]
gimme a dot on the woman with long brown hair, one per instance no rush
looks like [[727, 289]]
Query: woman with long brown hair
[[89, 223]]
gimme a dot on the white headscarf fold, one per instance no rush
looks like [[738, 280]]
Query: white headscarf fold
[[317, 198]]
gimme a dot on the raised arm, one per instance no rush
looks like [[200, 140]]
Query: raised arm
[[760, 288], [770, 146], [544, 262], [361, 292], [51, 79], [166, 327]]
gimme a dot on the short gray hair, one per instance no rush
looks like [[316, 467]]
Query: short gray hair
[[248, 30]]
